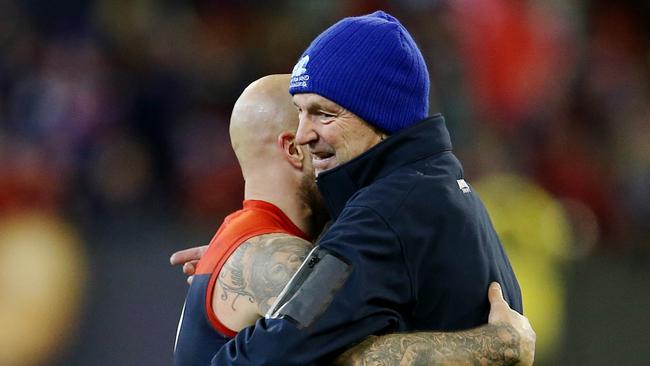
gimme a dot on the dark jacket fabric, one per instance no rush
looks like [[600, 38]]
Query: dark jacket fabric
[[411, 248]]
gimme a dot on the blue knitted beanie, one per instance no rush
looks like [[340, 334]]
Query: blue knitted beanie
[[369, 65]]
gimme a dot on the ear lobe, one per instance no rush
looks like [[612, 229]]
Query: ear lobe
[[292, 152]]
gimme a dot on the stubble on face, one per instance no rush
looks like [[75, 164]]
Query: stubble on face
[[310, 195]]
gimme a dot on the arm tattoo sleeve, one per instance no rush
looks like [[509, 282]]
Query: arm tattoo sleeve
[[260, 268], [491, 344]]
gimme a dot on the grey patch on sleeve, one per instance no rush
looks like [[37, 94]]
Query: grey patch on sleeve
[[312, 288]]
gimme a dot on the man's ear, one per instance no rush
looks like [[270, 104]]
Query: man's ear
[[292, 152]]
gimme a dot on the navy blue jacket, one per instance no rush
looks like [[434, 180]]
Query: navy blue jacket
[[411, 248]]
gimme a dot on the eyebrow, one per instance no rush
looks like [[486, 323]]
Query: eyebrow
[[315, 105], [310, 105]]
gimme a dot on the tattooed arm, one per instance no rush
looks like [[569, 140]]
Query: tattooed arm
[[508, 339], [493, 344], [254, 275]]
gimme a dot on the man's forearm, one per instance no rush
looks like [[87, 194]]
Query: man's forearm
[[491, 344]]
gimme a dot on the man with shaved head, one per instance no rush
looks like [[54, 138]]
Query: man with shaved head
[[258, 248]]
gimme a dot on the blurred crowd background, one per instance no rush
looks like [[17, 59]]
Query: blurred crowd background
[[114, 152]]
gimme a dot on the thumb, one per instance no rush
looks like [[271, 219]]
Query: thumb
[[498, 306], [495, 295]]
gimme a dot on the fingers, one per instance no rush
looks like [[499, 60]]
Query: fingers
[[189, 258], [189, 268], [501, 313], [183, 256], [187, 255]]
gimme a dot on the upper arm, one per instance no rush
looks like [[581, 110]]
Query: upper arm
[[254, 275], [353, 289]]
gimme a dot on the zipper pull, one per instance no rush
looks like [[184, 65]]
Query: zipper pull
[[312, 261]]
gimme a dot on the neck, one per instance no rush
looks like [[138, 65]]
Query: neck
[[279, 189]]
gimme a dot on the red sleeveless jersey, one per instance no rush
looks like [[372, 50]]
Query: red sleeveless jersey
[[255, 218]]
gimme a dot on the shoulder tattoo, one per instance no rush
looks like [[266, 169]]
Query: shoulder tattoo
[[260, 268]]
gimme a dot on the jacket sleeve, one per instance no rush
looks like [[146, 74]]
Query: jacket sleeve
[[351, 286]]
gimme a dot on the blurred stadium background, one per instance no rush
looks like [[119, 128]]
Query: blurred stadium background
[[114, 153]]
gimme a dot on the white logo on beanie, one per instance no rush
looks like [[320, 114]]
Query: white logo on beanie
[[298, 76], [300, 67]]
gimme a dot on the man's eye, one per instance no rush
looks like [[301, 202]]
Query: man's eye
[[327, 115]]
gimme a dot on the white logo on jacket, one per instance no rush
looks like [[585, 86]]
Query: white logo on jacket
[[463, 185]]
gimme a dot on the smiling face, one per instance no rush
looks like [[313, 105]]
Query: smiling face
[[333, 134]]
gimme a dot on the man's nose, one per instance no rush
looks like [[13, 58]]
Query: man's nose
[[305, 133]]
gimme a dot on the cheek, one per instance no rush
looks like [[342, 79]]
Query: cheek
[[330, 136], [354, 143]]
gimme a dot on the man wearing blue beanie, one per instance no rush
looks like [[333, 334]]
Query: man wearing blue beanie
[[369, 65], [411, 246]]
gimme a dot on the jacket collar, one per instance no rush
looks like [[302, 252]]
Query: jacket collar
[[425, 138]]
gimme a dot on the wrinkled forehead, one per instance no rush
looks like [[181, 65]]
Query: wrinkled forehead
[[312, 100]]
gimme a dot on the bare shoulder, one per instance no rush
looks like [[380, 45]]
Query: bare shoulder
[[254, 275]]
